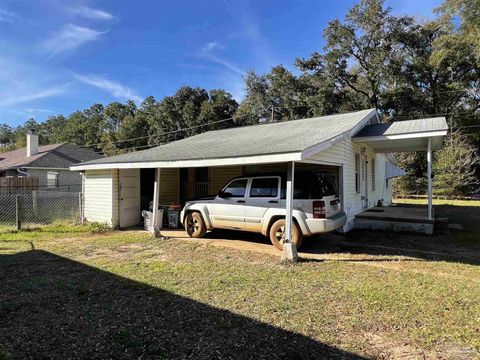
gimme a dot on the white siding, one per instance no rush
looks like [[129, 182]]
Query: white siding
[[115, 198], [343, 153], [98, 196]]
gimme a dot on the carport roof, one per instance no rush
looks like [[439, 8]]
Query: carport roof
[[401, 136], [404, 127], [265, 143]]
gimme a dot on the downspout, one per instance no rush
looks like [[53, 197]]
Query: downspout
[[24, 173]]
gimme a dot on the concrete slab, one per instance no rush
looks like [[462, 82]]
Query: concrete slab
[[395, 218], [397, 213]]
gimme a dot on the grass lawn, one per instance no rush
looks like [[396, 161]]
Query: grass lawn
[[68, 293]]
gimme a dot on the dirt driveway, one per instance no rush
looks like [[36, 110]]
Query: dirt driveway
[[356, 245]]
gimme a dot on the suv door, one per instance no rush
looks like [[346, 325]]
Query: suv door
[[228, 208], [264, 193]]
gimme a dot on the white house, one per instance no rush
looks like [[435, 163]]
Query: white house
[[353, 147]]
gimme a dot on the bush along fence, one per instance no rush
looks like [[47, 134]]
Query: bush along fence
[[40, 208]]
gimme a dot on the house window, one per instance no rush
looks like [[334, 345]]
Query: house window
[[386, 183], [373, 174], [357, 173], [52, 179]]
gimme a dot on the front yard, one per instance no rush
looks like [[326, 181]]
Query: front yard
[[68, 293]]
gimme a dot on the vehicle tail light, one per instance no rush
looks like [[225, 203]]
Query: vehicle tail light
[[319, 210]]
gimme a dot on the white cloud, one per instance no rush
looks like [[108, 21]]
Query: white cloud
[[25, 87], [212, 45], [113, 87], [68, 38], [208, 52], [7, 16], [89, 13], [35, 95], [33, 110]]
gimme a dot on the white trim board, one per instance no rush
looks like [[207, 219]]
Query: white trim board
[[400, 136], [244, 160]]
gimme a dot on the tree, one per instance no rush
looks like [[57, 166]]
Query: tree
[[6, 135], [85, 128], [220, 106], [113, 137], [188, 112], [454, 167], [277, 95], [461, 20], [53, 129], [357, 51], [256, 106]]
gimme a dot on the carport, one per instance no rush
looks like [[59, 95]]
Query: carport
[[339, 141]]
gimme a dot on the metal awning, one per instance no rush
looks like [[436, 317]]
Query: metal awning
[[392, 171], [404, 136]]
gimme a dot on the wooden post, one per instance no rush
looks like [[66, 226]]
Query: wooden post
[[18, 213]]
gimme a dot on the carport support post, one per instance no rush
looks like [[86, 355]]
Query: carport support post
[[289, 248], [156, 191], [429, 174]]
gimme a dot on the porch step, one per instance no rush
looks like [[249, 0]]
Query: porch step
[[395, 226]]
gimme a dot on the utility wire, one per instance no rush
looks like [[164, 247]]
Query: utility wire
[[170, 132]]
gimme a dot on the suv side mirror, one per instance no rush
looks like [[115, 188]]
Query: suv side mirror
[[223, 195]]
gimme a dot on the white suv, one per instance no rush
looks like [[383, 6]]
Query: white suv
[[257, 204]]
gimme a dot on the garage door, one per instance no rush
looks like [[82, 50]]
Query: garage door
[[129, 183]]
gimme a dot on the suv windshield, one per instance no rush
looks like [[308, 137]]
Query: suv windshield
[[327, 184]]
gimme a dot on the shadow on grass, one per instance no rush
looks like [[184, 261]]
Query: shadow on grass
[[52, 307]]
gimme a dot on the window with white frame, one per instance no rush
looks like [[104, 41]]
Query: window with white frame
[[52, 179], [373, 174], [357, 173]]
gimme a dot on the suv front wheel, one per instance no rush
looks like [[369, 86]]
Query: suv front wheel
[[277, 234], [194, 225]]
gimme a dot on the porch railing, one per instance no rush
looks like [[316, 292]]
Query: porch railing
[[201, 189]]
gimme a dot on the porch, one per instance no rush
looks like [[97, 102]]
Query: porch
[[398, 218]]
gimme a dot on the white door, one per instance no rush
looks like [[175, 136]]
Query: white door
[[264, 193], [129, 191], [228, 209]]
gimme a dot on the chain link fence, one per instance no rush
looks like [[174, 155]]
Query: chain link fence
[[40, 208]]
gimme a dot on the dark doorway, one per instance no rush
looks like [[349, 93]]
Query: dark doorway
[[147, 180]]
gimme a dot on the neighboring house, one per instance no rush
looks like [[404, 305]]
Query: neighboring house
[[49, 164], [353, 148]]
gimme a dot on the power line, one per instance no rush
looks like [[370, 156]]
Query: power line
[[437, 114], [168, 132]]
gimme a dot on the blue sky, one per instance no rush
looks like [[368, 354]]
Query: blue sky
[[58, 56]]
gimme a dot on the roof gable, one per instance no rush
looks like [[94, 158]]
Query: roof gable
[[48, 156]]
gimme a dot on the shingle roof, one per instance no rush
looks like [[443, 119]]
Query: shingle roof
[[265, 139], [404, 127], [48, 156]]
